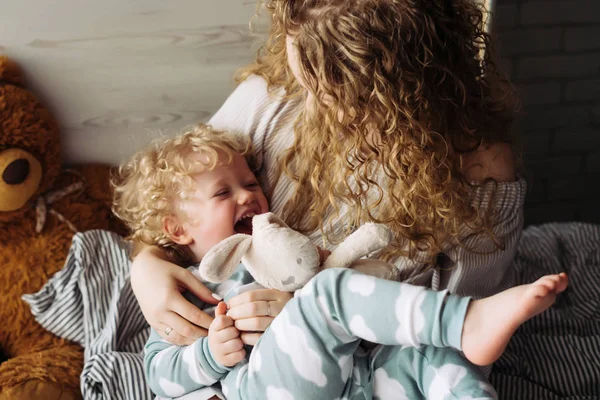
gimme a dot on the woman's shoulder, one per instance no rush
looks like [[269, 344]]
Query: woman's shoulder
[[255, 90], [250, 103]]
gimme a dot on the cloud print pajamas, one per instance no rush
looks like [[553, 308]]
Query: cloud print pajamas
[[312, 349]]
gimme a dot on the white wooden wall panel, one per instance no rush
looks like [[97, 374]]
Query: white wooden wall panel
[[118, 72]]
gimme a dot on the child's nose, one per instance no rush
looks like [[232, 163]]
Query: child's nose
[[245, 196]]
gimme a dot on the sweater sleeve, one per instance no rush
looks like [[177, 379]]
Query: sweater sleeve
[[481, 268], [172, 371]]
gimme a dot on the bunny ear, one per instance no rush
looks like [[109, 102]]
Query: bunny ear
[[221, 260]]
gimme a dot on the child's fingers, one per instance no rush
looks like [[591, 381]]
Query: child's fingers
[[221, 322], [234, 358], [231, 346], [221, 309], [226, 334]]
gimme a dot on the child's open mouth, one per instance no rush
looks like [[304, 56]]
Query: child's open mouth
[[244, 224]]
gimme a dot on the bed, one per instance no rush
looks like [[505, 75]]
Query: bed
[[553, 356]]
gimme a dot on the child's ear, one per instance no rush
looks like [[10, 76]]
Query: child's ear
[[177, 233]]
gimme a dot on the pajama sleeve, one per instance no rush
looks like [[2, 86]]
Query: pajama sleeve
[[172, 371]]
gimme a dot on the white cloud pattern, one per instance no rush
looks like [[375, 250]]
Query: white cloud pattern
[[446, 378], [274, 393], [195, 371], [387, 388], [170, 388], [292, 341], [409, 315], [363, 285], [359, 328], [255, 362]]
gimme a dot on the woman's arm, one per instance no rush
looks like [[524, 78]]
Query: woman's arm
[[487, 270]]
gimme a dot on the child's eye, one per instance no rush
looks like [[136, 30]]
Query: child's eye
[[222, 193], [252, 185]]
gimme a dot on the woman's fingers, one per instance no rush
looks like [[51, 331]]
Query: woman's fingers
[[180, 326], [256, 303], [249, 310], [252, 295], [250, 338], [253, 324], [193, 284], [179, 305], [174, 337], [256, 309]]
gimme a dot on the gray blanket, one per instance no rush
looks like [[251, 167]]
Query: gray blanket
[[555, 355]]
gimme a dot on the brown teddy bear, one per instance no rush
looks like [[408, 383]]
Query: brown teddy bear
[[41, 206]]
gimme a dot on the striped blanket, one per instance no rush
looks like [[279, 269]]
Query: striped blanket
[[554, 356]]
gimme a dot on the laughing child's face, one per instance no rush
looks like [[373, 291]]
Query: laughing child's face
[[222, 203]]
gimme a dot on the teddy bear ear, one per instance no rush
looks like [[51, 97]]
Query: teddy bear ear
[[11, 72]]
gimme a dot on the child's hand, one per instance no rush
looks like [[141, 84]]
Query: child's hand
[[224, 339]]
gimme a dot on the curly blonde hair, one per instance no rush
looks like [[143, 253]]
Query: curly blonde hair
[[412, 73], [149, 186]]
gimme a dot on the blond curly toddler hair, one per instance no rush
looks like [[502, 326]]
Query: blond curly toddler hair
[[149, 186]]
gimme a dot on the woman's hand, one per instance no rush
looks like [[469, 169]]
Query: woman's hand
[[157, 286], [254, 311]]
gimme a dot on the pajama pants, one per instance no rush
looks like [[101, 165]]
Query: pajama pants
[[312, 350]]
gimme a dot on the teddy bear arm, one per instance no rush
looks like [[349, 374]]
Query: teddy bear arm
[[97, 181]]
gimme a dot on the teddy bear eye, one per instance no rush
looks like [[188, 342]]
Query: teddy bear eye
[[16, 172]]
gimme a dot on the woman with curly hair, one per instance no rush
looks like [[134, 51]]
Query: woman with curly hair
[[385, 111]]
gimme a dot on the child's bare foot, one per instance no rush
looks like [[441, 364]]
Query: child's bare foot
[[491, 322]]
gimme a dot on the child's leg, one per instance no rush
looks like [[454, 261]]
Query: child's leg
[[427, 373], [308, 350]]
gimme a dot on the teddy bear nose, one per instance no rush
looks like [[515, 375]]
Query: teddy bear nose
[[16, 172]]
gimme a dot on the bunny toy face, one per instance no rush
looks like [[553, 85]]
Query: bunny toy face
[[280, 258]]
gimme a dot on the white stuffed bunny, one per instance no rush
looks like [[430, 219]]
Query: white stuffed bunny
[[280, 258]]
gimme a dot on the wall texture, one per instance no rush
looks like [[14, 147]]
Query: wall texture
[[552, 51], [118, 73]]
